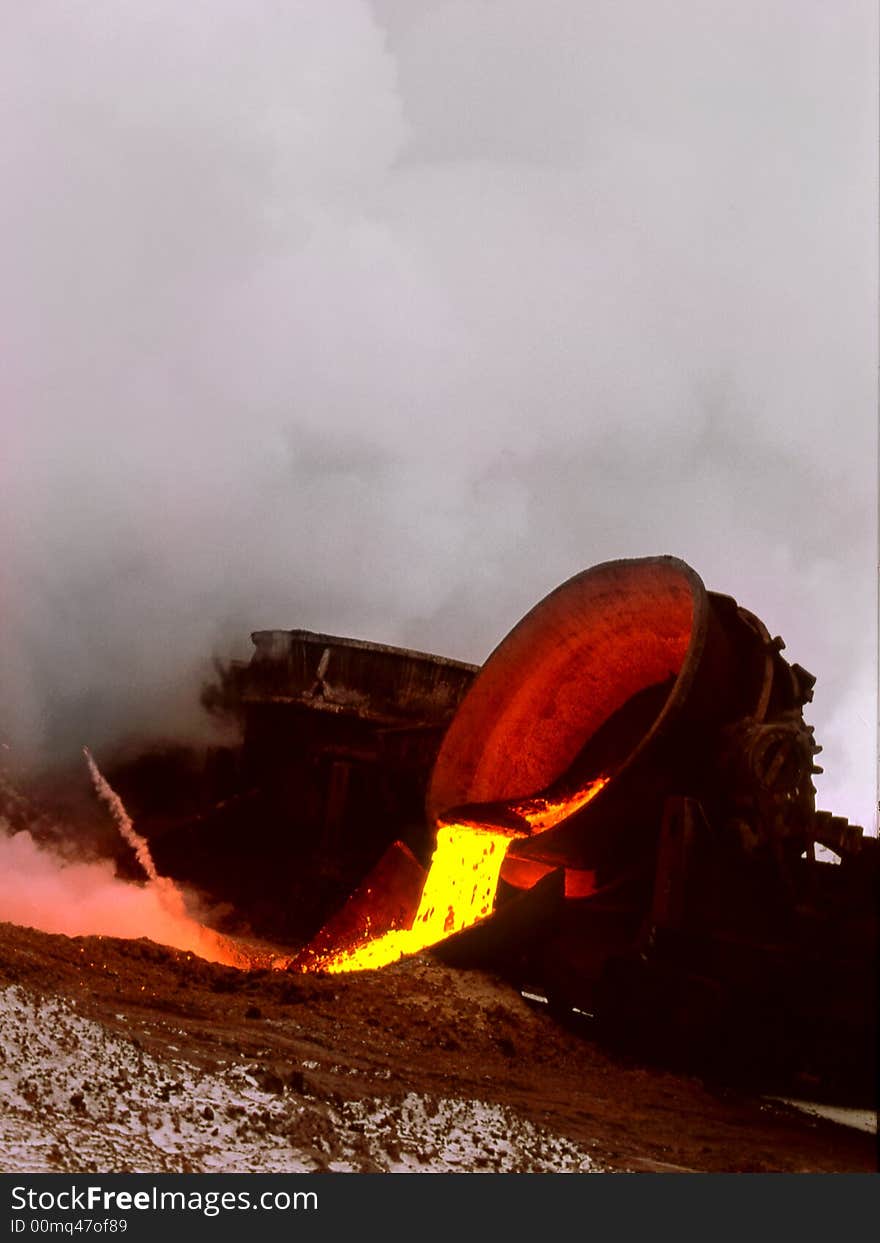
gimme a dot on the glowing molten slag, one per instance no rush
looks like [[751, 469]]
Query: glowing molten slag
[[543, 813], [461, 882]]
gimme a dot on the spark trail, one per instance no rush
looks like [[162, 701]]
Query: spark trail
[[203, 941], [123, 821]]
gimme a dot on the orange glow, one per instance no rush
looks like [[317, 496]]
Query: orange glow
[[544, 813], [461, 883], [178, 927], [459, 890], [525, 874]]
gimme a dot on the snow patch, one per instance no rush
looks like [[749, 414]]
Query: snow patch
[[82, 1097]]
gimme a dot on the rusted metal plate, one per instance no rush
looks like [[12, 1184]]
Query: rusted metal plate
[[385, 685]]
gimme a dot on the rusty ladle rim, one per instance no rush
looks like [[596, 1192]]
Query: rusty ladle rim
[[675, 701]]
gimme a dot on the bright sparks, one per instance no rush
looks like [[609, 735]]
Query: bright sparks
[[188, 933]]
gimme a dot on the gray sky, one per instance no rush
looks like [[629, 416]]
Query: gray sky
[[383, 319]]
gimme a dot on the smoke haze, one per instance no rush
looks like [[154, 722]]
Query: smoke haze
[[383, 319], [41, 889]]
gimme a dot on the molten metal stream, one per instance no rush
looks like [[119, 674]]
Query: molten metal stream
[[545, 813], [461, 882]]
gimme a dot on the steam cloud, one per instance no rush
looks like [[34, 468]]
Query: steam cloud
[[385, 319]]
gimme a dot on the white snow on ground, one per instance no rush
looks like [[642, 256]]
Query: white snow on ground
[[858, 1119], [77, 1096], [430, 1135]]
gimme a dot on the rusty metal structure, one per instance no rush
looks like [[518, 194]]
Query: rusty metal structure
[[691, 903], [686, 901], [340, 735], [337, 741]]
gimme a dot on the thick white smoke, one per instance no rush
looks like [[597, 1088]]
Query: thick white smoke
[[384, 319]]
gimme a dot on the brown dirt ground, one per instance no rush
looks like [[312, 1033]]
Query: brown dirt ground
[[423, 1027]]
